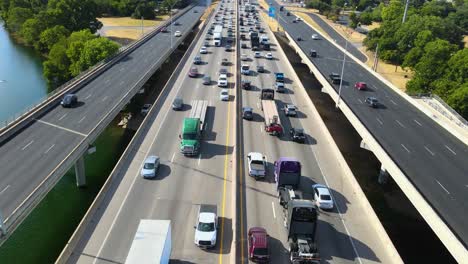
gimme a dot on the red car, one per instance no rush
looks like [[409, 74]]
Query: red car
[[258, 245], [193, 72], [360, 85]]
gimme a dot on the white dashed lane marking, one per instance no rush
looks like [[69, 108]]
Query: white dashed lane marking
[[27, 145]]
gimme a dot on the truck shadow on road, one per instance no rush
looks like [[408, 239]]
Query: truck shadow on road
[[327, 230]]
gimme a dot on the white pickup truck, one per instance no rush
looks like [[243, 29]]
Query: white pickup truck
[[257, 164], [207, 226]]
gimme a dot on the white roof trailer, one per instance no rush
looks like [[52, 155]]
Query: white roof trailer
[[218, 35], [152, 243]]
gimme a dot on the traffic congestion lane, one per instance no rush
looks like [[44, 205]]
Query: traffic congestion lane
[[182, 183], [430, 156], [331, 235]]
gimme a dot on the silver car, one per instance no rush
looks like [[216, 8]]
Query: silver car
[[150, 167]]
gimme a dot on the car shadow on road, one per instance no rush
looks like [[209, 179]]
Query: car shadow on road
[[163, 171], [186, 107]]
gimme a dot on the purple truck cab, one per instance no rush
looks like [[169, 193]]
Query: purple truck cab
[[287, 172]]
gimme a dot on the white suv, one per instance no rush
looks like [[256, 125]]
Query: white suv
[[222, 80]]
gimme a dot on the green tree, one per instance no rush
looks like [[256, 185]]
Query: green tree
[[393, 11], [56, 68], [94, 51], [50, 36], [354, 20], [431, 66], [145, 10], [31, 30], [17, 16], [365, 18], [436, 8], [458, 100], [460, 18], [416, 52], [74, 14]]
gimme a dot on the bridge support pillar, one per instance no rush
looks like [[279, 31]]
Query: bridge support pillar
[[364, 145], [383, 175], [80, 172]]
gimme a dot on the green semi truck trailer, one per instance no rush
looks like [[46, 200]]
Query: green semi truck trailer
[[192, 128]]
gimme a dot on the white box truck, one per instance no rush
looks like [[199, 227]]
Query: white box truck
[[152, 243], [218, 35]]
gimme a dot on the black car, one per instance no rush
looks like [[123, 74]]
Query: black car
[[260, 68], [297, 135], [228, 48], [247, 113], [176, 24], [335, 78], [313, 53], [69, 100], [246, 84], [224, 62], [372, 102], [288, 14], [243, 45], [197, 60]]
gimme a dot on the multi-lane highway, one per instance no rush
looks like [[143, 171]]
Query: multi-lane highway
[[182, 183], [261, 202], [30, 156], [432, 158]]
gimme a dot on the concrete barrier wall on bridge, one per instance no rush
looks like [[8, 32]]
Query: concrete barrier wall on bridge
[[22, 211], [444, 233], [116, 175]]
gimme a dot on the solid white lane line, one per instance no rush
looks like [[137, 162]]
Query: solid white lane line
[[380, 121], [405, 148], [359, 100], [173, 156], [105, 98], [62, 117], [81, 120], [199, 159], [416, 121], [273, 207], [64, 128], [53, 145], [445, 189], [25, 147], [89, 95], [261, 128], [454, 153], [399, 123], [393, 102], [428, 150]]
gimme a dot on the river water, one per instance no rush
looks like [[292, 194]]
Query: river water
[[21, 81]]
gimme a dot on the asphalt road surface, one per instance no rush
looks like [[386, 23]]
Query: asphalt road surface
[[261, 203], [182, 183], [432, 158], [340, 40], [31, 155]]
